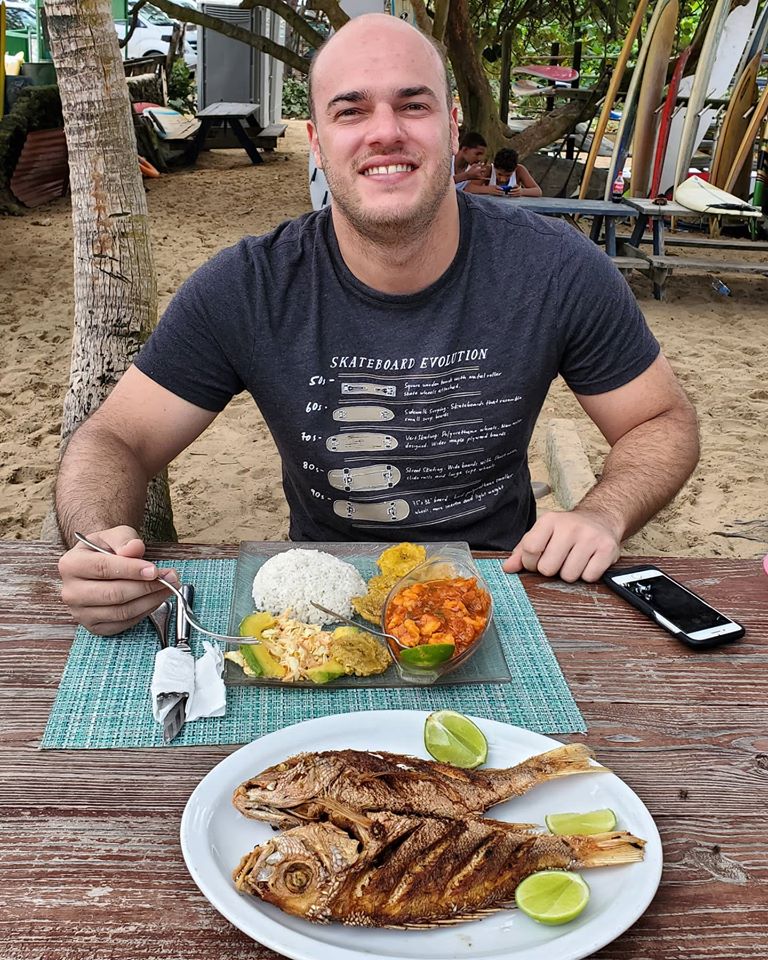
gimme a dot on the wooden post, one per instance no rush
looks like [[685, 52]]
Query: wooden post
[[577, 47], [554, 60], [506, 56]]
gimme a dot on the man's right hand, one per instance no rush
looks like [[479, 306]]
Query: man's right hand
[[110, 594]]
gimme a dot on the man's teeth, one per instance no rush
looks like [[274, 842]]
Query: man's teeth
[[392, 168]]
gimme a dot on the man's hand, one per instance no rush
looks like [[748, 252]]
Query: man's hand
[[516, 191], [576, 545], [110, 594]]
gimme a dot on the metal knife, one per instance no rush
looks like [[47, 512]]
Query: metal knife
[[174, 719]]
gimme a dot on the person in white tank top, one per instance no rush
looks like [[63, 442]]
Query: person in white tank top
[[508, 178]]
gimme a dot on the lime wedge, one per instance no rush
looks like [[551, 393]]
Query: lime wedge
[[573, 824], [552, 896], [452, 738], [427, 654]]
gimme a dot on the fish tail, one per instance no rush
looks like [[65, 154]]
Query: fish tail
[[560, 762], [606, 849]]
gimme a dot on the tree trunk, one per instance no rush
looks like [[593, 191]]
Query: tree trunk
[[115, 285]]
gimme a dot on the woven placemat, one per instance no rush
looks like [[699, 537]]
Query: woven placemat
[[103, 699]]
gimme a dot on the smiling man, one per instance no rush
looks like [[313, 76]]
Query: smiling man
[[400, 345]]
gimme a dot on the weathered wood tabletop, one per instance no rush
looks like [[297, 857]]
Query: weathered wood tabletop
[[90, 859]]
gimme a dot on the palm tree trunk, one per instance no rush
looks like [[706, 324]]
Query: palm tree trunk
[[115, 288]]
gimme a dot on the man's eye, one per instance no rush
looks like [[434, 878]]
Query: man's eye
[[415, 107], [348, 112]]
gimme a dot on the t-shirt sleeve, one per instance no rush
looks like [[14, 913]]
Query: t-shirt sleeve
[[200, 350], [604, 339]]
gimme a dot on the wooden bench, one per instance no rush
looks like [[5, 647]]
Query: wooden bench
[[265, 138], [661, 267]]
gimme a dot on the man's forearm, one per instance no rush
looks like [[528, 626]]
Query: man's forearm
[[644, 471], [101, 484]]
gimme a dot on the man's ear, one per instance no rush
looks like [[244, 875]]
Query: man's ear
[[454, 123], [314, 144]]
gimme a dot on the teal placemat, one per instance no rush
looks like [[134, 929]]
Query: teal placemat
[[103, 698]]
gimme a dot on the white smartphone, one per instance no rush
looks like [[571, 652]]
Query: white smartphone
[[673, 606]]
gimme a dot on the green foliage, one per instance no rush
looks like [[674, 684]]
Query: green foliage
[[295, 98], [182, 89]]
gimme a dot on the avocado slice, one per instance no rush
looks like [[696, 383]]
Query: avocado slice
[[330, 670], [261, 661]]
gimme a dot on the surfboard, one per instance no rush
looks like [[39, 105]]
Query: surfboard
[[526, 88], [319, 191], [546, 72], [747, 144], [734, 125], [627, 123], [650, 96], [718, 59], [758, 38], [172, 125], [666, 116], [704, 197], [610, 96]]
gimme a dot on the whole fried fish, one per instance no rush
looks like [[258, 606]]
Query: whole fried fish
[[310, 786], [413, 871]]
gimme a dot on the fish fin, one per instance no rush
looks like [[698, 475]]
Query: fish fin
[[459, 918], [565, 761], [607, 849]]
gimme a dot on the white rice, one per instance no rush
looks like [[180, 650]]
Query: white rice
[[290, 580]]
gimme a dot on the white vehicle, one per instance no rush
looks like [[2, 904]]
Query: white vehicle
[[152, 36]]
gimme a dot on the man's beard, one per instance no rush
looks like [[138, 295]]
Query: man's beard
[[393, 226]]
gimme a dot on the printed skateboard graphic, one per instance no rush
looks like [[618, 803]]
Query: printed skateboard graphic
[[368, 390], [360, 442], [390, 511], [379, 476], [363, 414]]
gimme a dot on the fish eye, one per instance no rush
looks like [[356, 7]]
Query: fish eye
[[297, 878]]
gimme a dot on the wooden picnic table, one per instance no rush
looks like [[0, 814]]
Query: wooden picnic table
[[90, 856], [231, 115], [602, 211]]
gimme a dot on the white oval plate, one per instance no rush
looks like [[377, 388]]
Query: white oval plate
[[214, 836]]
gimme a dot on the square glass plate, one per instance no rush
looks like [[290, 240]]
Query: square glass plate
[[486, 665]]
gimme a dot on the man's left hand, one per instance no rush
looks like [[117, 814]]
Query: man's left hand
[[574, 545]]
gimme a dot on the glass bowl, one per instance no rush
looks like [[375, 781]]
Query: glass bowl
[[448, 564]]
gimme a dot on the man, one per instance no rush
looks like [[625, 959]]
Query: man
[[398, 352]]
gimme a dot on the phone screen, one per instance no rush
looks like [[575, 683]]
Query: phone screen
[[678, 605]]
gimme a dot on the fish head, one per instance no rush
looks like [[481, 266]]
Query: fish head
[[283, 793], [301, 870]]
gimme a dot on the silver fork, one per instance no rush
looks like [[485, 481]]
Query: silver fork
[[193, 621]]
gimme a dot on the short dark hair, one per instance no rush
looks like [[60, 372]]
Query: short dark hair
[[472, 140], [506, 159]]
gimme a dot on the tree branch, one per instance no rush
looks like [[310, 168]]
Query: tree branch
[[423, 21], [336, 16], [294, 20], [442, 11], [132, 25], [276, 50]]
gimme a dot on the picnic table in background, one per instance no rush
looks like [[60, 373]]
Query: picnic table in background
[[231, 115], [90, 848]]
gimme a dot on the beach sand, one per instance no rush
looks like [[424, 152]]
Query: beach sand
[[226, 487]]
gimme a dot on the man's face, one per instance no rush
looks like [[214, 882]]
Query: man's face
[[382, 132], [502, 176]]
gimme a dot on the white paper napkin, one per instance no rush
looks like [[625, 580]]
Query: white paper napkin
[[209, 698], [174, 674], [178, 674]]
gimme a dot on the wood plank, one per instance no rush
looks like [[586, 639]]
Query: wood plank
[[90, 855]]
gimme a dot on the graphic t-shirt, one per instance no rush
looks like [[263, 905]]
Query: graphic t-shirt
[[404, 417]]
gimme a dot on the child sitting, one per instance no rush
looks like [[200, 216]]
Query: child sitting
[[508, 177]]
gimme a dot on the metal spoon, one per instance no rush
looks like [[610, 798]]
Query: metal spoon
[[194, 623], [161, 619]]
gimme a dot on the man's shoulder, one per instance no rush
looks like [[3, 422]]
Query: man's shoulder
[[280, 250], [507, 216]]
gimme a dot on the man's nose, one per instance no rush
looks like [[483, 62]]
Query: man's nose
[[384, 125]]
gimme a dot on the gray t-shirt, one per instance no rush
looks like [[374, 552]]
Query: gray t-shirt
[[404, 417]]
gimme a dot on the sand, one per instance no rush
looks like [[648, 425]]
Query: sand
[[226, 486]]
